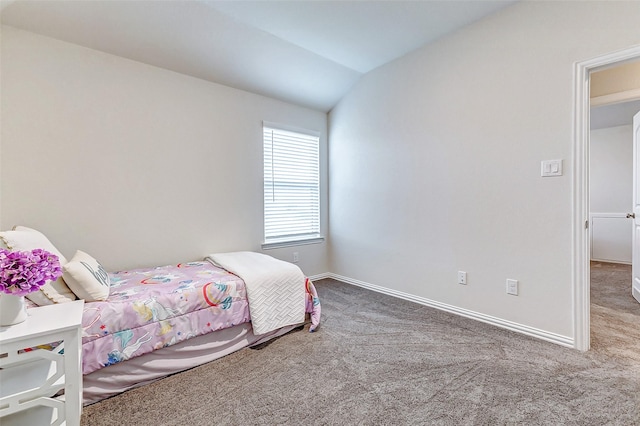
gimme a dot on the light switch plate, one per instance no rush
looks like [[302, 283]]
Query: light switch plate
[[551, 168]]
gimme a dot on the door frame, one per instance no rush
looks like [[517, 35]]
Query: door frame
[[635, 239], [581, 247]]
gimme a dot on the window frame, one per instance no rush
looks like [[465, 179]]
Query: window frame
[[291, 240]]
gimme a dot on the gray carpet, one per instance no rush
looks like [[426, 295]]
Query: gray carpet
[[377, 360]]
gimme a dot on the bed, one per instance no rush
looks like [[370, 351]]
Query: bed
[[144, 324], [159, 321]]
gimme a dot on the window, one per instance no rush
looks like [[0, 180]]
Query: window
[[291, 187]]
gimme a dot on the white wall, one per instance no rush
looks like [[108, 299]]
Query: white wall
[[611, 169], [435, 162], [134, 164], [611, 188]]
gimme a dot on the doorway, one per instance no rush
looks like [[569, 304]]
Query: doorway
[[614, 313], [581, 208], [611, 163]]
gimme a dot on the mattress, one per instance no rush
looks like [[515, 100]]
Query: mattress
[[153, 308]]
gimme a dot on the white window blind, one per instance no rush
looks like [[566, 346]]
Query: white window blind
[[291, 186]]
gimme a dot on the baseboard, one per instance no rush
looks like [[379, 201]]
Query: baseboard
[[320, 276], [488, 319], [618, 262]]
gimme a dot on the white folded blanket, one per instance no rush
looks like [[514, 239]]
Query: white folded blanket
[[275, 289]]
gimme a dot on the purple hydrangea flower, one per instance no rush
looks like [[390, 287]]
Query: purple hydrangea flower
[[23, 272]]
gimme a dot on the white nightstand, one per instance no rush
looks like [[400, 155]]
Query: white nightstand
[[29, 380]]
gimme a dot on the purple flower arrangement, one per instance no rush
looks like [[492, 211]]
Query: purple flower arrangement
[[23, 272]]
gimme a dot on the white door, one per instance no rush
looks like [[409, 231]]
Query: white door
[[635, 263]]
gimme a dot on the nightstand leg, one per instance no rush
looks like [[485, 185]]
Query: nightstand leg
[[73, 382]]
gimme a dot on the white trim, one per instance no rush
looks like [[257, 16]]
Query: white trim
[[320, 276], [580, 207], [616, 98], [488, 319], [289, 128], [580, 189], [617, 262], [591, 227], [610, 215], [290, 243]]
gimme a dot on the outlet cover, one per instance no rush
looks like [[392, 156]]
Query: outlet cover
[[512, 287]]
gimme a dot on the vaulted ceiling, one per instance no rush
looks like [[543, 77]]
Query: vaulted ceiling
[[305, 52]]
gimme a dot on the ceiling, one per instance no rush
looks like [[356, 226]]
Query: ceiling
[[305, 52], [619, 114]]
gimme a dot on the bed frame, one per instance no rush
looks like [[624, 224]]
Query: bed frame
[[164, 362]]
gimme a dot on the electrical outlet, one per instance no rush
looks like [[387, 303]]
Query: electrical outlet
[[512, 287], [296, 257], [462, 277]]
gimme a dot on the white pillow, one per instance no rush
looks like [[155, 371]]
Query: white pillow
[[86, 277], [24, 239]]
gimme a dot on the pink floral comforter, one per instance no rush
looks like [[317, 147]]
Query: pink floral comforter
[[150, 309]]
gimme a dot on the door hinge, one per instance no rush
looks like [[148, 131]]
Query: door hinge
[[586, 224]]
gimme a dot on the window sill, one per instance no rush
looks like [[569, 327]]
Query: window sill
[[289, 243]]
